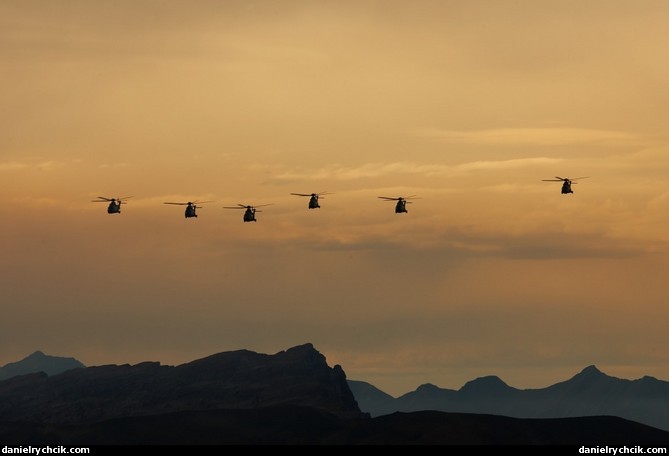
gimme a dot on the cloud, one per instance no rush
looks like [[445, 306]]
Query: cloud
[[11, 166], [530, 136], [506, 164], [546, 245], [378, 169], [117, 165], [42, 166]]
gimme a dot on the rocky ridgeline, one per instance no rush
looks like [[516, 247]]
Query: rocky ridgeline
[[240, 379]]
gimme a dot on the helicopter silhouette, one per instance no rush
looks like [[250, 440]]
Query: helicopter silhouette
[[191, 207], [313, 198], [250, 212], [566, 183], [402, 202], [114, 203]]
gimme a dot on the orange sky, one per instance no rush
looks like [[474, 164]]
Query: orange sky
[[466, 104]]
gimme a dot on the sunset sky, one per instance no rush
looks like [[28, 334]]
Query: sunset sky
[[466, 104]]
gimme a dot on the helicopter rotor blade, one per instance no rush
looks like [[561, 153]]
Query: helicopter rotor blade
[[179, 204], [404, 198], [121, 200], [313, 194]]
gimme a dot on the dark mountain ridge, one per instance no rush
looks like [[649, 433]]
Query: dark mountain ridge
[[588, 393], [297, 425], [229, 380]]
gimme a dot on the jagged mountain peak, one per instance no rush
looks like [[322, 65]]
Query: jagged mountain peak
[[38, 361], [36, 354], [490, 384], [590, 374], [302, 348], [305, 354], [592, 370], [426, 387]]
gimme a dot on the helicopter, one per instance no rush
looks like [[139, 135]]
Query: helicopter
[[249, 213], [402, 202], [313, 198], [114, 203], [566, 183], [191, 207]]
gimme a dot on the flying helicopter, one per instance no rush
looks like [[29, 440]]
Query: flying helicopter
[[250, 211], [402, 202], [566, 183], [313, 198], [191, 207], [114, 203]]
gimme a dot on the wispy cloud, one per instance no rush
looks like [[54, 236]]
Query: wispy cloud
[[42, 166], [506, 164], [373, 170], [11, 166], [529, 136], [48, 165]]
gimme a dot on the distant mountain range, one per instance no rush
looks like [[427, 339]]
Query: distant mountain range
[[291, 397], [589, 393], [39, 362]]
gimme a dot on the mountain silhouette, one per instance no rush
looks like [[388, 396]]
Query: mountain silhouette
[[239, 379], [588, 393], [39, 362], [243, 397], [486, 386]]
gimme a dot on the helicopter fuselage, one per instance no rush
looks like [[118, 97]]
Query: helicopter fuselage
[[566, 187], [401, 206], [190, 211], [114, 207], [250, 215], [313, 202]]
